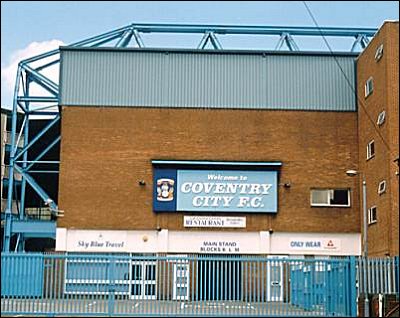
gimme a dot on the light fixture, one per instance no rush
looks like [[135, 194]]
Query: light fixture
[[142, 183], [285, 185], [48, 202], [351, 173]]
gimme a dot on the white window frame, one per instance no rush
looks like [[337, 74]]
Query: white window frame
[[379, 53], [369, 153], [370, 220], [382, 187], [369, 87], [381, 118], [327, 204]]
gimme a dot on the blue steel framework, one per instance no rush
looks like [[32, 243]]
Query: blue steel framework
[[28, 74]]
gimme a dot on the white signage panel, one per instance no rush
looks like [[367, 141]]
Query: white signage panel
[[218, 242], [214, 221], [208, 242], [96, 241], [316, 243]]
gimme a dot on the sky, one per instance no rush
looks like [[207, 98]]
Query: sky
[[29, 28]]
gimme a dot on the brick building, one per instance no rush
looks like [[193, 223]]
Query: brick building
[[225, 113], [378, 129], [205, 152]]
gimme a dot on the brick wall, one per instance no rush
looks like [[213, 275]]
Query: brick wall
[[383, 236], [105, 152]]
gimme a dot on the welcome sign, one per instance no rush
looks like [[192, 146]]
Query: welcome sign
[[215, 190]]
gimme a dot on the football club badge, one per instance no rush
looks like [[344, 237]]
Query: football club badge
[[165, 189]]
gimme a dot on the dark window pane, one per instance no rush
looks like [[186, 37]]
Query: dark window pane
[[136, 272], [136, 290], [150, 290], [340, 197], [373, 216], [181, 280], [372, 149], [150, 272], [181, 291]]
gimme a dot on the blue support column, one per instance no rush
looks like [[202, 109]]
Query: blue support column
[[21, 245], [8, 212], [38, 189], [138, 39], [125, 39], [111, 284], [46, 150], [21, 242], [214, 41], [288, 39], [26, 147], [41, 80], [291, 43]]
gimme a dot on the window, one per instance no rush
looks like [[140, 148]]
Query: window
[[381, 118], [379, 53], [330, 197], [372, 215], [369, 87], [371, 149], [382, 187]]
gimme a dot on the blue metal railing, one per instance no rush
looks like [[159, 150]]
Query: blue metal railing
[[137, 285]]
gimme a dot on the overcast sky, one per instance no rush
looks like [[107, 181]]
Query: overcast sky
[[30, 28]]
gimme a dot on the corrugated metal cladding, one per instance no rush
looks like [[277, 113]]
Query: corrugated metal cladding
[[136, 78]]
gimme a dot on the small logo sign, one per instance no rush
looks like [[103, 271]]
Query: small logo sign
[[165, 189], [331, 245]]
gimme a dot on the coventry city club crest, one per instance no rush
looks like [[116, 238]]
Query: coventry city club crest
[[165, 189]]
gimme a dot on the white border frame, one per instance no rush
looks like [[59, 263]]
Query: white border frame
[[143, 282], [185, 275], [383, 190], [281, 284], [370, 215], [369, 86], [369, 154]]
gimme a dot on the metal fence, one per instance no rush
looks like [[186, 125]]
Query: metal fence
[[88, 284], [378, 275]]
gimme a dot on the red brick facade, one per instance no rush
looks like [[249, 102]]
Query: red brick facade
[[106, 151], [383, 236]]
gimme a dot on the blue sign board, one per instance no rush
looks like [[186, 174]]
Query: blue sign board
[[215, 190]]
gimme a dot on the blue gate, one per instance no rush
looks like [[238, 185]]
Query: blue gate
[[170, 285], [22, 275], [324, 284]]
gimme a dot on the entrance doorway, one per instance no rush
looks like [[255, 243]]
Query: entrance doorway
[[143, 284], [181, 281], [275, 278], [219, 279]]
